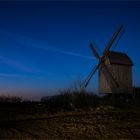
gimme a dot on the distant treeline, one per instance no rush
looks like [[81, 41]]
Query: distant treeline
[[73, 100], [10, 99], [84, 100]]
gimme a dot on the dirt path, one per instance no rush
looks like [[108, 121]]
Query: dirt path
[[86, 125]]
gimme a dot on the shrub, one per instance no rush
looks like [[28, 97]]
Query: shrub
[[67, 101], [10, 99]]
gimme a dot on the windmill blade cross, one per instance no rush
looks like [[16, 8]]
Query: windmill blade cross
[[94, 51], [108, 75], [86, 82], [115, 35]]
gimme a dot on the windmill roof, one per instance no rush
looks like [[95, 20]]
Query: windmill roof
[[119, 58]]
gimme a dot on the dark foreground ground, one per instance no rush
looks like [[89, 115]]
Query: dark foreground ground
[[33, 122]]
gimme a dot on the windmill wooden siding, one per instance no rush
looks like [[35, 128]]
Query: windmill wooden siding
[[120, 66]]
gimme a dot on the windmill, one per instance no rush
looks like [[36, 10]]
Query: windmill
[[112, 67]]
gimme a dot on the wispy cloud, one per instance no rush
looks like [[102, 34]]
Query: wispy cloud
[[11, 75], [16, 64], [14, 75], [42, 45], [35, 44], [52, 49]]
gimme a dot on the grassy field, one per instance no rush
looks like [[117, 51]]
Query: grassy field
[[33, 121]]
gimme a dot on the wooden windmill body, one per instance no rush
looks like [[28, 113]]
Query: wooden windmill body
[[120, 67], [114, 69]]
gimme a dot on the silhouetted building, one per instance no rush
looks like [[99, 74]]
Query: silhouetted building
[[120, 67]]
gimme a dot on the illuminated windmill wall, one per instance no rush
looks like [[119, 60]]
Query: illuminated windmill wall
[[120, 67]]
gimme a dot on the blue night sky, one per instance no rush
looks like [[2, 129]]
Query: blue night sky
[[44, 45]]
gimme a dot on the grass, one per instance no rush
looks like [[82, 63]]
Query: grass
[[71, 116]]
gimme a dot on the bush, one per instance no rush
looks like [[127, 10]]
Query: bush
[[85, 100], [10, 99], [67, 101]]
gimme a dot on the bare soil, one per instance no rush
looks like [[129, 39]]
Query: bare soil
[[76, 125]]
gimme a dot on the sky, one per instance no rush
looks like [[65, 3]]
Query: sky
[[44, 45]]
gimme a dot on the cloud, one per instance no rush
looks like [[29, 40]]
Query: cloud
[[40, 45], [14, 75], [16, 64], [11, 75], [52, 49], [35, 44]]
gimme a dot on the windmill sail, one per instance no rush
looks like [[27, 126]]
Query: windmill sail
[[110, 79]]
